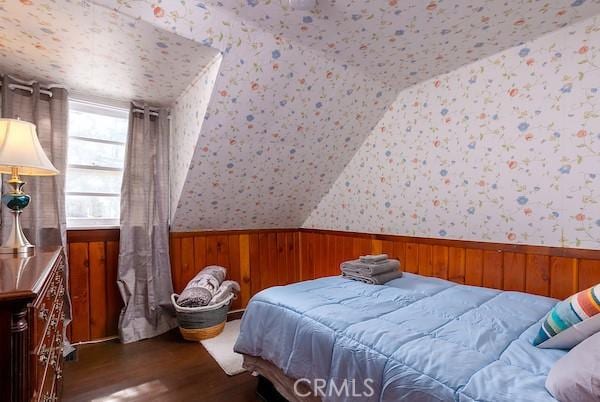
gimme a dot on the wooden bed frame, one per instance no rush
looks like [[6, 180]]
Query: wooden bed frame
[[277, 387]]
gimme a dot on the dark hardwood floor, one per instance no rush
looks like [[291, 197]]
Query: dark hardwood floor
[[165, 368]]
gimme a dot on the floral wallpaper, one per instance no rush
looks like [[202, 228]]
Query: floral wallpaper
[[94, 51], [506, 150], [299, 91], [187, 115], [398, 43], [282, 122]]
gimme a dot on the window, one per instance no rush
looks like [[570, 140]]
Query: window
[[97, 136]]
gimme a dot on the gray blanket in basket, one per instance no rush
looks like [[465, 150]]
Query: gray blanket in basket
[[226, 288], [201, 289]]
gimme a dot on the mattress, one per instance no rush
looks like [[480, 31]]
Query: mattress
[[415, 339]]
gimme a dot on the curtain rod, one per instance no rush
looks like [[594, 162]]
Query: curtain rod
[[103, 103], [151, 113], [27, 88], [152, 110]]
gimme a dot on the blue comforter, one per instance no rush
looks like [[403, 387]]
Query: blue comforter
[[414, 339]]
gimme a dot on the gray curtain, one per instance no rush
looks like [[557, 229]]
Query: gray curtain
[[44, 221], [144, 267]]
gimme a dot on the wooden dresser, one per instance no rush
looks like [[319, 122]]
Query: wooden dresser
[[32, 312]]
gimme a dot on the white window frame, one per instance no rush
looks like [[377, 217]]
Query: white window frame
[[106, 109]]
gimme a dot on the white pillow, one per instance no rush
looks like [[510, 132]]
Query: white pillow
[[576, 376]]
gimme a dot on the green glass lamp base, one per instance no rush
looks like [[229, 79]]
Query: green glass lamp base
[[16, 200]]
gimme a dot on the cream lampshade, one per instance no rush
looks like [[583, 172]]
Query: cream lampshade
[[20, 154], [19, 147]]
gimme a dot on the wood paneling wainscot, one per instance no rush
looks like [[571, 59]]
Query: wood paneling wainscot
[[547, 271], [256, 259], [259, 259], [96, 302]]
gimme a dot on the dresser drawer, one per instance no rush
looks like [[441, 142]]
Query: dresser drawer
[[47, 343], [48, 353], [48, 391], [50, 369], [31, 317], [50, 289], [51, 311]]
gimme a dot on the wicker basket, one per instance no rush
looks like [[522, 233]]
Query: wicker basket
[[199, 323]]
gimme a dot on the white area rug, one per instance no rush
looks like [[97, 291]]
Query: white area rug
[[221, 348]]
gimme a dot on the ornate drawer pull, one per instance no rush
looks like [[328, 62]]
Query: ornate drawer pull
[[44, 355], [49, 398], [58, 372], [43, 314]]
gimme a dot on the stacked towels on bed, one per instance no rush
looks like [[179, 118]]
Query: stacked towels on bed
[[373, 269], [208, 287]]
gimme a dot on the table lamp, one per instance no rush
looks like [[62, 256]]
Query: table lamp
[[20, 154]]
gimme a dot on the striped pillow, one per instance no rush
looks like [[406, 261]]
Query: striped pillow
[[571, 321]]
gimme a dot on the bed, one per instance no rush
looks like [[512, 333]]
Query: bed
[[416, 338]]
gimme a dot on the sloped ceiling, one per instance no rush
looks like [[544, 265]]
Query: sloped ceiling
[[187, 115], [399, 42], [299, 91], [281, 124], [94, 51]]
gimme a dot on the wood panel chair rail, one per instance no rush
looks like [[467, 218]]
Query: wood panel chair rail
[[547, 271], [255, 259], [258, 259]]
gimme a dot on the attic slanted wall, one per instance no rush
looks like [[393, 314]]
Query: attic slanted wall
[[282, 124], [287, 118], [503, 150], [187, 117]]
